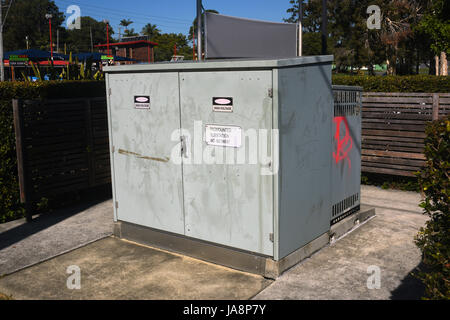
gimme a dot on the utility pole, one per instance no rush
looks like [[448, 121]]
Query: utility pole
[[2, 66], [107, 35], [49, 17], [324, 27], [300, 27], [199, 30]]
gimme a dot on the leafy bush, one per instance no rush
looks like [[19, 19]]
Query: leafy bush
[[434, 238], [10, 206], [415, 83]]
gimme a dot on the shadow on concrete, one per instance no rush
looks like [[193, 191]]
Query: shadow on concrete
[[411, 288], [25, 229]]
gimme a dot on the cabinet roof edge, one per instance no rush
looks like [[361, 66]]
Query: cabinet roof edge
[[223, 64]]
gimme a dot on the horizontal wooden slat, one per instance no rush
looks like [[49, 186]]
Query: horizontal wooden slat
[[391, 133], [397, 94], [398, 99], [390, 166], [395, 161], [388, 126], [392, 154], [396, 116], [388, 171]]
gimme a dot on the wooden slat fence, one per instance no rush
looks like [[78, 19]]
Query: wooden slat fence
[[393, 130], [62, 146]]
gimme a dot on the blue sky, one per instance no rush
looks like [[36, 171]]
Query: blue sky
[[175, 15]]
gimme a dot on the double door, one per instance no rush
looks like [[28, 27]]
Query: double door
[[195, 159]]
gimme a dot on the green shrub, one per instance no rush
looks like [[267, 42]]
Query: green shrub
[[415, 83], [10, 206], [434, 238]]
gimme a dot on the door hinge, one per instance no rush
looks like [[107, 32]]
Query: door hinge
[[271, 237], [117, 205], [113, 149], [109, 91], [270, 93]]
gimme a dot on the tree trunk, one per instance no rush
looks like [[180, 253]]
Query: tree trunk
[[444, 64], [436, 64]]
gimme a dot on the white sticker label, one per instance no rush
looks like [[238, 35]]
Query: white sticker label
[[223, 136]]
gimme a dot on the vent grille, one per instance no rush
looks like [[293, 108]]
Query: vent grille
[[345, 215], [341, 209], [347, 103]]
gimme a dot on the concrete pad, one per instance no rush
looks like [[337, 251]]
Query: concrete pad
[[398, 200], [23, 244], [117, 269], [340, 271]]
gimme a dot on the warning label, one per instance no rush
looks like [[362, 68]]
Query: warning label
[[142, 102], [224, 104], [223, 136]]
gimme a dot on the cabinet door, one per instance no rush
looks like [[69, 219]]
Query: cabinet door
[[228, 201], [148, 185]]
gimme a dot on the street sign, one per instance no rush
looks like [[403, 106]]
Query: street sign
[[18, 60]]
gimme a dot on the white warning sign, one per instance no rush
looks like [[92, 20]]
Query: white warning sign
[[223, 136]]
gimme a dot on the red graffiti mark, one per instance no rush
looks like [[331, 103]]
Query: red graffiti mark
[[343, 145]]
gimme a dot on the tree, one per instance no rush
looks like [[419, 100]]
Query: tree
[[166, 43], [79, 40], [125, 23], [151, 30], [27, 18], [355, 46], [436, 25], [130, 33]]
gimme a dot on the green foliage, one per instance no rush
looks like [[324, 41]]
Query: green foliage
[[436, 25], [166, 42], [79, 40], [399, 41], [151, 30], [414, 83], [10, 206], [434, 238], [27, 18]]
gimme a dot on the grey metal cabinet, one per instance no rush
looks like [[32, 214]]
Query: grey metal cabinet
[[268, 201]]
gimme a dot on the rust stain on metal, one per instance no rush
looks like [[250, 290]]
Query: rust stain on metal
[[129, 153]]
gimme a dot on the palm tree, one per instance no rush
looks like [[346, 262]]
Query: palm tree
[[125, 23], [151, 30]]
